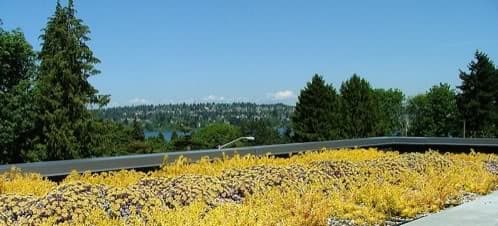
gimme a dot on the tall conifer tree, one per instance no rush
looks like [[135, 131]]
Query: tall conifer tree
[[315, 117], [138, 131], [477, 100], [63, 92], [359, 108]]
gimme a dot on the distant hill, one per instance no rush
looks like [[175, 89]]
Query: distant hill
[[191, 116]]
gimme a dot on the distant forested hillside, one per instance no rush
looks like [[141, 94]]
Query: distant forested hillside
[[178, 116]]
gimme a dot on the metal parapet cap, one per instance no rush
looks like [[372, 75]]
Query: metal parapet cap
[[64, 167]]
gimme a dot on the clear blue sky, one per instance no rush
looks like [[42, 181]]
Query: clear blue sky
[[265, 51]]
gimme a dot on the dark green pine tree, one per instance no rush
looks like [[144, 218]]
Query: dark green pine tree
[[63, 92], [137, 131], [160, 137], [315, 117], [359, 113], [174, 136], [477, 100]]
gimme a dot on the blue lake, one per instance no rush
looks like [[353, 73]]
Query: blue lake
[[167, 133]]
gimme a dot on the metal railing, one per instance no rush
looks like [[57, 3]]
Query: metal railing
[[145, 161]]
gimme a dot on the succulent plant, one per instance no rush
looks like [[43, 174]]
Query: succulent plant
[[357, 187]]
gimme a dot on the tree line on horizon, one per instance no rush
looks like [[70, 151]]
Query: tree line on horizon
[[46, 101], [171, 117], [358, 110]]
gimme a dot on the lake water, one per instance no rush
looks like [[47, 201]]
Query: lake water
[[166, 134]]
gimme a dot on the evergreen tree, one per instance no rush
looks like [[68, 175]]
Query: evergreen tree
[[477, 100], [359, 108], [174, 136], [137, 131], [316, 114], [160, 137], [63, 92]]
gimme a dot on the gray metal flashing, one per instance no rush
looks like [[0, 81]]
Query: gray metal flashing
[[100, 164]]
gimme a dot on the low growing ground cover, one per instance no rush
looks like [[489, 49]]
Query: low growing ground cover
[[340, 187]]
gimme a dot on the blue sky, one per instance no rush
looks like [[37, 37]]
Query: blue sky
[[266, 51]]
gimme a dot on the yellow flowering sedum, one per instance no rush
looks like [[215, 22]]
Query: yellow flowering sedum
[[356, 186]]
